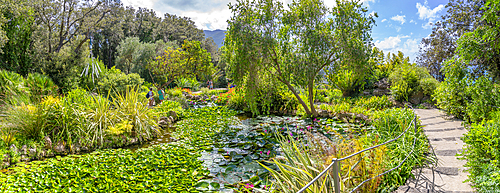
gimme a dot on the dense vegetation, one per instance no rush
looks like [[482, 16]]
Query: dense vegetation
[[470, 87], [315, 86]]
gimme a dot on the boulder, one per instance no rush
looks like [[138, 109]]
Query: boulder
[[174, 115], [323, 113], [366, 93], [32, 152], [47, 142], [25, 158], [353, 117], [13, 148], [6, 157], [213, 98], [60, 148], [416, 98], [383, 84], [163, 122], [24, 150], [381, 92]]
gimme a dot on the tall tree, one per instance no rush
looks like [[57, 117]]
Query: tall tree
[[293, 45], [462, 16], [189, 61], [15, 55]]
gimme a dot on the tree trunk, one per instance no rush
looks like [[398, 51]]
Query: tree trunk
[[311, 98], [298, 97]]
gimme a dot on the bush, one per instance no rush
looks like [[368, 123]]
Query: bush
[[409, 79], [116, 82], [168, 105], [40, 86], [12, 88], [346, 81], [482, 151]]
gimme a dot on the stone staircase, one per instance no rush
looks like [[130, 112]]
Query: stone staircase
[[449, 174]]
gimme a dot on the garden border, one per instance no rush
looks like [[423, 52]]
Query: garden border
[[335, 161]]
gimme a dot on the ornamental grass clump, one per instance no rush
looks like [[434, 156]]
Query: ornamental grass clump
[[133, 106]]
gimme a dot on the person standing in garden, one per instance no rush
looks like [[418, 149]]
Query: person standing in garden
[[161, 95], [151, 99], [211, 85]]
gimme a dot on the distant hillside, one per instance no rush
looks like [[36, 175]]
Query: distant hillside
[[217, 35]]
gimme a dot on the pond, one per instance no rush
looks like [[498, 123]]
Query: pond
[[234, 155]]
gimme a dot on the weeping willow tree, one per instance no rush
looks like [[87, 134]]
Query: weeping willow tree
[[268, 43]]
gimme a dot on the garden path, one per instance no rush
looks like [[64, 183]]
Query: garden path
[[449, 173]]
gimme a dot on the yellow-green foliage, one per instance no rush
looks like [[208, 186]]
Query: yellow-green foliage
[[120, 128]]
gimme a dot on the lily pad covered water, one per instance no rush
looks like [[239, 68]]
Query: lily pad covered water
[[213, 151]]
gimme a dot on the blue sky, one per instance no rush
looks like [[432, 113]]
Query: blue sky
[[401, 24]]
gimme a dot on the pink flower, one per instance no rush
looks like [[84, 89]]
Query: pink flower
[[309, 127], [268, 152], [301, 130], [291, 134], [265, 131], [260, 152], [315, 119], [249, 185]]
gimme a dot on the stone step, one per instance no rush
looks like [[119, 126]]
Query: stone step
[[450, 161], [411, 189], [443, 181], [444, 144], [446, 134]]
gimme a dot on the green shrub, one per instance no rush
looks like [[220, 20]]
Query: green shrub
[[168, 105], [27, 120], [116, 82], [40, 86], [451, 94], [482, 151], [174, 92], [409, 79], [428, 85], [12, 88], [374, 103], [346, 81]]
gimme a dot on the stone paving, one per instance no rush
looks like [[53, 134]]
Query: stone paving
[[448, 174]]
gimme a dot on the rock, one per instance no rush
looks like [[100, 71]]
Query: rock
[[25, 158], [6, 158], [366, 93], [84, 148], [213, 98], [352, 117], [48, 142], [323, 113], [32, 152], [173, 114], [76, 148], [381, 92], [24, 150], [196, 97], [416, 98], [426, 99], [5, 164], [13, 148], [59, 148], [163, 123], [43, 153], [383, 84]]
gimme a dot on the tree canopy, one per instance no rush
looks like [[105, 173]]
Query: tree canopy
[[294, 45]]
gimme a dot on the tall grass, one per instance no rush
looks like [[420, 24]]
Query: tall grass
[[133, 107]]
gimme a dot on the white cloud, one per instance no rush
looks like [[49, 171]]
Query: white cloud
[[388, 43], [397, 28], [426, 13], [384, 20], [413, 21], [393, 44], [400, 18]]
